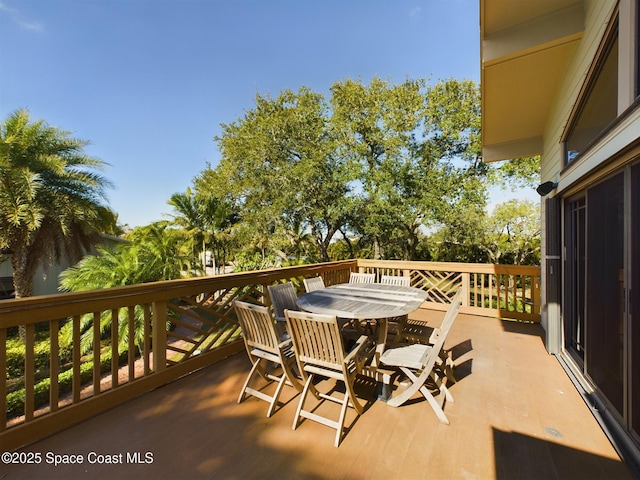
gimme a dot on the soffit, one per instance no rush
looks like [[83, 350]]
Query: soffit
[[526, 46]]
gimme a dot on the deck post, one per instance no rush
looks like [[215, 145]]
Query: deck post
[[159, 335]]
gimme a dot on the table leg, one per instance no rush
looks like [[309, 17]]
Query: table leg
[[381, 341]]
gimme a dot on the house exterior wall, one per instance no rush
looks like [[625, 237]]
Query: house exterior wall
[[597, 14], [614, 153], [45, 280]]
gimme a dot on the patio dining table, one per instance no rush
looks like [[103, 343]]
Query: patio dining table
[[364, 301]]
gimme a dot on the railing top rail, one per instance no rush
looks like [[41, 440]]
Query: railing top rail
[[452, 266], [62, 305]]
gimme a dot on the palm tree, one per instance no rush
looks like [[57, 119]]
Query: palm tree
[[205, 218], [191, 218], [153, 255], [51, 197]]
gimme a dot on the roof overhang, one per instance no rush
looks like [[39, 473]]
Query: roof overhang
[[525, 47]]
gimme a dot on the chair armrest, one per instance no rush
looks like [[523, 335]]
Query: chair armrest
[[354, 354], [433, 338]]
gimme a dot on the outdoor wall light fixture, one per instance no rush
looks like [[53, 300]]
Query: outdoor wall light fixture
[[545, 188]]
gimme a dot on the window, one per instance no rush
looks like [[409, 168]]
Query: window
[[599, 105]]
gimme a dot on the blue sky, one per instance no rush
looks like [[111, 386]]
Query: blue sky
[[148, 82]]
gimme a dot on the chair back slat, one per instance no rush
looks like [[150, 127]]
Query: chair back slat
[[283, 297], [316, 339], [313, 283], [258, 328], [395, 280], [355, 277]]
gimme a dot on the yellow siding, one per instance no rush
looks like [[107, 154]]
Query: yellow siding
[[597, 15]]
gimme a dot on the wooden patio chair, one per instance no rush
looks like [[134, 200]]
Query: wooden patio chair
[[264, 344], [283, 297], [396, 280], [360, 325], [395, 324], [319, 350], [313, 283], [421, 363], [350, 327], [411, 330], [355, 277]]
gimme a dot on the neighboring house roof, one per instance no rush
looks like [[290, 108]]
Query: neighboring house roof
[[525, 47]]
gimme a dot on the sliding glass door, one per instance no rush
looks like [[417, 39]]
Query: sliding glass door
[[575, 266], [605, 288], [634, 301], [601, 305]]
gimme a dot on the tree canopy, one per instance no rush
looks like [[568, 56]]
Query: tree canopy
[[379, 164], [377, 170]]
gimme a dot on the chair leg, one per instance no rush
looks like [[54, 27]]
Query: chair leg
[[448, 366], [246, 382], [340, 426], [276, 395], [305, 390], [437, 409], [416, 383], [442, 386]]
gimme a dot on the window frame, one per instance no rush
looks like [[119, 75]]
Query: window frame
[[612, 34]]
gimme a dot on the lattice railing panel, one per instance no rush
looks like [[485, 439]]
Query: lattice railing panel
[[440, 286], [508, 291]]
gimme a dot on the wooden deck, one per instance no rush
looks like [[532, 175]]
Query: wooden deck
[[516, 415]]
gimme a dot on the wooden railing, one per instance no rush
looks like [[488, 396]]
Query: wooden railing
[[503, 291], [186, 325]]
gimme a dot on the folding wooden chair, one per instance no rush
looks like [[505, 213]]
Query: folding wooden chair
[[355, 277], [415, 331], [395, 324], [319, 350], [283, 296], [396, 280], [313, 283], [423, 362], [264, 345]]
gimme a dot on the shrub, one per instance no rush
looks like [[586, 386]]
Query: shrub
[[15, 400]]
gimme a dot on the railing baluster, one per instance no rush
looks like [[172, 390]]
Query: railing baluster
[[96, 353], [146, 349], [3, 380], [466, 278], [506, 291], [29, 372], [159, 335], [114, 348], [131, 356], [77, 381], [54, 367]]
